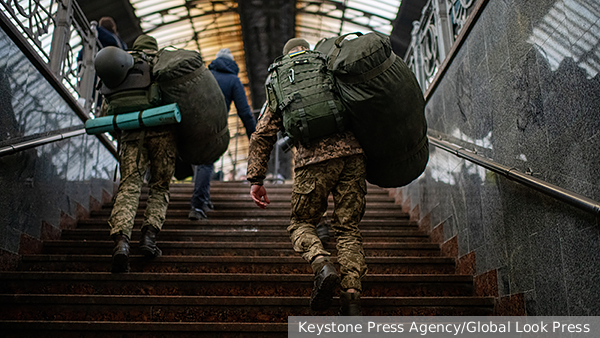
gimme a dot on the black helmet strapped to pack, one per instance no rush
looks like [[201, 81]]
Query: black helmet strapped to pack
[[112, 65]]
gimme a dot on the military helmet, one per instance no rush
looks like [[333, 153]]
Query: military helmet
[[112, 65]]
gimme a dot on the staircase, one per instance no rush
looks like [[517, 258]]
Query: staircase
[[234, 275]]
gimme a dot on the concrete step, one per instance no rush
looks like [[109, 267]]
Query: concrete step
[[381, 249], [229, 264], [245, 189], [266, 235], [273, 197], [249, 204], [256, 213], [112, 329], [217, 308], [247, 224], [216, 284]]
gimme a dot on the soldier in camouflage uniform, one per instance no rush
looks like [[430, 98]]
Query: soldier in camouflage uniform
[[335, 164], [152, 148]]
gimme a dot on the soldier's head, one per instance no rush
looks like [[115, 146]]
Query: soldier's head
[[145, 42], [295, 45]]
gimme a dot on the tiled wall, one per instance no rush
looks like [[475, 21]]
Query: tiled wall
[[44, 185], [524, 91]]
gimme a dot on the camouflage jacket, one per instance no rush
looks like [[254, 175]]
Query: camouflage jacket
[[265, 136]]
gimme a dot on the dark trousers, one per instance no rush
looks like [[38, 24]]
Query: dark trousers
[[201, 196]]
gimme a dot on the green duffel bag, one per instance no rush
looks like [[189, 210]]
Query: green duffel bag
[[385, 103], [203, 134]]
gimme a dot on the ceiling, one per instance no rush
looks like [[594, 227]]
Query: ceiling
[[254, 30]]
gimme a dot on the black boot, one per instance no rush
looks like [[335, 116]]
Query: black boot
[[120, 257], [350, 304], [148, 242], [325, 282]]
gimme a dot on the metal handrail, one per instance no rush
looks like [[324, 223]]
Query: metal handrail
[[513, 174], [13, 148]]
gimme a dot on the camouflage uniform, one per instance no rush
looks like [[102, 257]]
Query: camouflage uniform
[[156, 146], [336, 165]]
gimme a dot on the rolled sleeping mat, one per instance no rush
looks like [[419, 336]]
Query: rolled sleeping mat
[[151, 117]]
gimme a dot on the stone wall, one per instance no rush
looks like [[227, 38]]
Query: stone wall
[[44, 189], [522, 91]]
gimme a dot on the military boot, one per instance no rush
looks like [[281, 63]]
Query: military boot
[[120, 257], [350, 304], [325, 281], [148, 242]]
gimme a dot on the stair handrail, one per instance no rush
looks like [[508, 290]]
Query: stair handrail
[[40, 141], [512, 173]]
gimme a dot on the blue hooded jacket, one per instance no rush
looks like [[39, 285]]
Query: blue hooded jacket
[[226, 72]]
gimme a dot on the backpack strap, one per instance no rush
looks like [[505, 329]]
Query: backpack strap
[[338, 117], [114, 123], [304, 127], [274, 65], [140, 120], [286, 102]]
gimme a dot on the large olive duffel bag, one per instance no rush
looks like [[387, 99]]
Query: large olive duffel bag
[[385, 103], [203, 134]]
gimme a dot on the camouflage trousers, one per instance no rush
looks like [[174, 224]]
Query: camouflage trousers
[[159, 152], [344, 178]]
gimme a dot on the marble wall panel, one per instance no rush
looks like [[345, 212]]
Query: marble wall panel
[[531, 92], [40, 183]]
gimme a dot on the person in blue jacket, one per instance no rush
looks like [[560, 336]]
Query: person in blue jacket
[[108, 35], [225, 70]]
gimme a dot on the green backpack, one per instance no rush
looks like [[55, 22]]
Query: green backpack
[[138, 91], [300, 87]]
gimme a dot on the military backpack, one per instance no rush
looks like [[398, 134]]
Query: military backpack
[[138, 91], [303, 91]]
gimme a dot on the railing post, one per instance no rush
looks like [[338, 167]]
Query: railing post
[[88, 73], [61, 36], [417, 62], [443, 24]]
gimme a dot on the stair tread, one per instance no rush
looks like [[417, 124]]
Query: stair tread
[[253, 232], [229, 300], [220, 244], [251, 222], [249, 259], [147, 276], [145, 326]]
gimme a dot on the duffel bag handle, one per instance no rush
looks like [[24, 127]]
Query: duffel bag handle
[[339, 40], [338, 48]]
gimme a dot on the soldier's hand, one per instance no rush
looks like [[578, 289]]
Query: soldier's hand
[[259, 196]]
